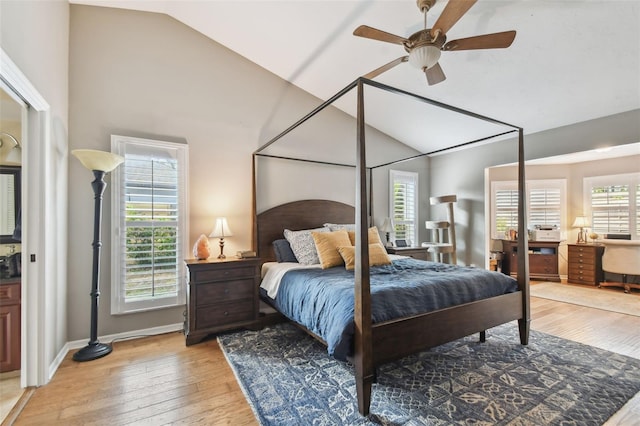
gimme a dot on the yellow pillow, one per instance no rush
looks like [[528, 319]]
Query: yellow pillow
[[327, 244], [374, 236], [377, 255]]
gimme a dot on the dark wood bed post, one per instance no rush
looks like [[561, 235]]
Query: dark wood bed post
[[363, 347], [523, 245], [254, 210]]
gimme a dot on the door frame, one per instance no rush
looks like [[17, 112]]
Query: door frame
[[35, 370]]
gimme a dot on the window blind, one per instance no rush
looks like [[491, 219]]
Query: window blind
[[149, 214], [404, 205]]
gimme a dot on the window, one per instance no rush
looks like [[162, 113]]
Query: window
[[149, 220], [545, 199], [404, 205], [612, 204]]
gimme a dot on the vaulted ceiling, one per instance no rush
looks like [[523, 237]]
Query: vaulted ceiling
[[571, 60]]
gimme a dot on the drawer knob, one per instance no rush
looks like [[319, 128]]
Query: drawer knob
[[226, 313], [226, 291]]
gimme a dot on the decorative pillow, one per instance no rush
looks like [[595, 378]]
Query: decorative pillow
[[283, 251], [374, 236], [340, 226], [303, 246], [327, 244], [377, 255]]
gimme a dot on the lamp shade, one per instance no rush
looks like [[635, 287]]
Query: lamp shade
[[581, 222], [15, 155], [387, 225], [424, 57], [221, 229], [98, 160]]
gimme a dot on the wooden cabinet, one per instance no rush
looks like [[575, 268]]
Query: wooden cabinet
[[543, 259], [585, 264], [221, 295], [9, 325], [420, 253]]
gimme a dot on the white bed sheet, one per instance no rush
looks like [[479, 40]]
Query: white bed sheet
[[272, 273]]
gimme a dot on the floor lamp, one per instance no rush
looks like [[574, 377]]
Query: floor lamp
[[100, 163]]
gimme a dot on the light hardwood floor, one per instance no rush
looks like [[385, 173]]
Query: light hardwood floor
[[157, 380]]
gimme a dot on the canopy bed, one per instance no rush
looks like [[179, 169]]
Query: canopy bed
[[376, 342]]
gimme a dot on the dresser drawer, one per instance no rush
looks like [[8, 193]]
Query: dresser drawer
[[224, 291], [10, 294], [543, 264], [582, 256], [225, 313], [221, 274]]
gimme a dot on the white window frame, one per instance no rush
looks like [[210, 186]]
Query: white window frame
[[560, 184], [403, 176], [119, 305], [630, 179]]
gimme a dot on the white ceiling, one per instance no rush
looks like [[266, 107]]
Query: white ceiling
[[571, 60]]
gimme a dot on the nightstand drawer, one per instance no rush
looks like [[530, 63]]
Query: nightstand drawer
[[224, 291], [221, 274], [225, 313]]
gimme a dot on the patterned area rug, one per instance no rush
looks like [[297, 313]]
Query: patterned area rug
[[289, 379], [608, 299]]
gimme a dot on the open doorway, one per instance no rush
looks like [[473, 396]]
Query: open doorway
[[12, 111]]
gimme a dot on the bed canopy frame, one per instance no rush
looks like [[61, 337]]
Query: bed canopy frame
[[468, 318]]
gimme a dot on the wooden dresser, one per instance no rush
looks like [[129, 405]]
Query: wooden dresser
[[543, 259], [585, 264], [221, 295]]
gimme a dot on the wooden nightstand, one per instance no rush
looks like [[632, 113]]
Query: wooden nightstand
[[585, 264], [221, 295], [420, 253]]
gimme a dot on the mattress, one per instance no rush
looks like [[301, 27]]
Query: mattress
[[322, 300]]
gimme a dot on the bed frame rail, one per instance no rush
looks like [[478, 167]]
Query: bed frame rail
[[395, 339]]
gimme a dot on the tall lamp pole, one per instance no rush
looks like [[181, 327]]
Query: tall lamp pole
[[100, 163]]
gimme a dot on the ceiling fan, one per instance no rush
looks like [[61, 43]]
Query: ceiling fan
[[424, 47]]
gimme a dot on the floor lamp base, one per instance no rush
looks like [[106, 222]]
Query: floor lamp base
[[91, 352]]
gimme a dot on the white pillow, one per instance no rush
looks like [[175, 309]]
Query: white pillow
[[303, 245], [341, 226]]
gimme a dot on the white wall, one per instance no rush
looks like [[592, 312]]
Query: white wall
[[34, 34], [148, 75]]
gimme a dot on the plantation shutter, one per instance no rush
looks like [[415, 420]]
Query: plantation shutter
[[506, 211], [638, 210], [151, 215], [405, 205], [610, 209], [544, 206]]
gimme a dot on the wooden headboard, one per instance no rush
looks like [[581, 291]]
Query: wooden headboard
[[305, 214]]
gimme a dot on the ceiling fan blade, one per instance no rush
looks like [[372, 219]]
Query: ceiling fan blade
[[386, 67], [435, 75], [452, 12], [373, 33], [487, 41]]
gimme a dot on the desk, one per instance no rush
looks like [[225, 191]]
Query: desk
[[543, 259]]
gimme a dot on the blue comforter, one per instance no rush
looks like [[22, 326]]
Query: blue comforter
[[323, 300]]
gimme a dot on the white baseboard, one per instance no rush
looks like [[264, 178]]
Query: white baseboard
[[77, 344]]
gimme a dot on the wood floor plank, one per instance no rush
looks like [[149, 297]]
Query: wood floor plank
[[158, 380]]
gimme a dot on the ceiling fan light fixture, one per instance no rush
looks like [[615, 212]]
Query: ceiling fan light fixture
[[424, 57]]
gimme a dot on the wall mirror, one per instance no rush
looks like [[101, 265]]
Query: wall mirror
[[10, 197]]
